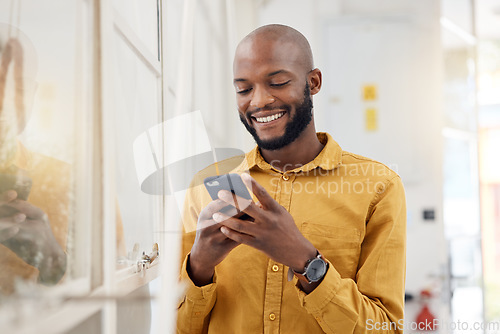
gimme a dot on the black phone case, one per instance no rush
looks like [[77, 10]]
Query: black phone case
[[232, 183], [20, 183]]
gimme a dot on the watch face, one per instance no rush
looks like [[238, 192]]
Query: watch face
[[316, 270]]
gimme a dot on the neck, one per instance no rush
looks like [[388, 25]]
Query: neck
[[301, 151]]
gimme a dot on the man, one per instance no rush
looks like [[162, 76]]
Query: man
[[31, 246], [33, 230], [332, 220]]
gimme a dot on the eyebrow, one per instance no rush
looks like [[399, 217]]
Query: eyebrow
[[269, 75], [277, 72]]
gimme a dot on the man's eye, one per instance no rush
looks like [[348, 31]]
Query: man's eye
[[243, 91], [280, 84]]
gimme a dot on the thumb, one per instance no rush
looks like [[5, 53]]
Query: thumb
[[265, 200], [8, 233]]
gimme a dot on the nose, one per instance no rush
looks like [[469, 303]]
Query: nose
[[261, 98]]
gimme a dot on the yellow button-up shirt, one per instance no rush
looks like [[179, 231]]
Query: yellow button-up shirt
[[50, 192], [353, 211]]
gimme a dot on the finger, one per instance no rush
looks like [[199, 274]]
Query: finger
[[28, 209], [211, 208], [205, 218], [6, 234], [206, 223], [229, 210], [6, 223], [9, 226], [229, 244], [7, 196], [266, 201], [238, 225], [236, 236], [238, 202], [11, 221], [245, 205]]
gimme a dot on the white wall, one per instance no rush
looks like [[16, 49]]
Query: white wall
[[213, 91]]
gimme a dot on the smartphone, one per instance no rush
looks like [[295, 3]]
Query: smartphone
[[234, 184], [18, 182]]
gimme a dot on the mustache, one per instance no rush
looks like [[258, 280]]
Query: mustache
[[285, 107]]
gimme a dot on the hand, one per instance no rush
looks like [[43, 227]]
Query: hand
[[27, 233], [210, 246], [9, 226], [273, 230]]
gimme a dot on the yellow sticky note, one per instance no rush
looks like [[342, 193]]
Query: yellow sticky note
[[371, 119], [369, 92]]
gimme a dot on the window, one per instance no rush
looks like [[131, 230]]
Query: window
[[93, 72], [109, 76], [46, 143]]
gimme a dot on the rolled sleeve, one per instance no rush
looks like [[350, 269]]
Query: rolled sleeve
[[374, 302], [323, 300], [195, 307]]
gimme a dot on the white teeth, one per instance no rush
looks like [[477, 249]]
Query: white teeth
[[269, 118]]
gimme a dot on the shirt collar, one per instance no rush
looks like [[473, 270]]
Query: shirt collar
[[329, 158], [21, 158]]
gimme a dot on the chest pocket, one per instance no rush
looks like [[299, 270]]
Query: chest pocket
[[339, 245]]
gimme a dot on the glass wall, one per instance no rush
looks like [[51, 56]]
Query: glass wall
[[462, 226], [85, 88], [80, 81], [489, 167], [45, 89]]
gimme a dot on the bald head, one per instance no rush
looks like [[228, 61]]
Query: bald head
[[281, 36], [30, 62], [18, 66], [274, 79]]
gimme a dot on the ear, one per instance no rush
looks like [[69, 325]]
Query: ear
[[314, 78]]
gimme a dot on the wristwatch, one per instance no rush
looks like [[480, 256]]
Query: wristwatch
[[314, 270]]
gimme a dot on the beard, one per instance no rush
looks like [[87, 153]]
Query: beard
[[294, 127]]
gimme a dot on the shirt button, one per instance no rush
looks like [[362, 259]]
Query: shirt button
[[285, 177], [276, 268], [272, 316]]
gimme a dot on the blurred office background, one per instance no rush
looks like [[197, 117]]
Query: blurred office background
[[414, 84]]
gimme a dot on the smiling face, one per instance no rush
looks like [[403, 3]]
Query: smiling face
[[294, 127], [274, 81]]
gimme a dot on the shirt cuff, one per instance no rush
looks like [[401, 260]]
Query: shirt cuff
[[193, 292], [320, 297]]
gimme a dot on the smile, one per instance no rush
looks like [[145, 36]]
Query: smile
[[269, 118]]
